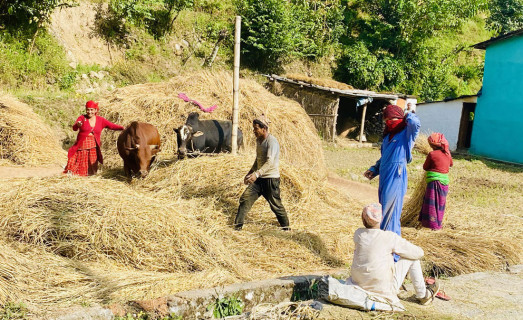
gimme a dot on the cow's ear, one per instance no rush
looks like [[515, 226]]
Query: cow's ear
[[197, 134]]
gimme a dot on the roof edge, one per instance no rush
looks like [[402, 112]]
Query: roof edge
[[346, 92], [483, 45]]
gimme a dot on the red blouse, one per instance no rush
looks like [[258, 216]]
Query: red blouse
[[438, 161], [86, 129]]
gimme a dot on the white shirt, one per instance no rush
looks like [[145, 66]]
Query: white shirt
[[373, 264]]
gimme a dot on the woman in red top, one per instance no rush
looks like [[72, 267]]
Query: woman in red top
[[84, 155], [437, 166]]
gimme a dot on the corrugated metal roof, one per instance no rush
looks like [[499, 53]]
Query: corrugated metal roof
[[345, 92]]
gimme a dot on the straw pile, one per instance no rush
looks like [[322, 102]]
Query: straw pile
[[158, 104], [324, 82], [121, 242], [24, 138], [453, 252]]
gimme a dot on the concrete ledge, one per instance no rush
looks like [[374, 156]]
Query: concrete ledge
[[193, 304]]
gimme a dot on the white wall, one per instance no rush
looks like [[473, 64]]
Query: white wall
[[444, 117]]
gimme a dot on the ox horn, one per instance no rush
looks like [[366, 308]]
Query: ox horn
[[154, 146]]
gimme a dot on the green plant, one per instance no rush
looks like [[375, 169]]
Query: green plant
[[13, 310], [227, 306]]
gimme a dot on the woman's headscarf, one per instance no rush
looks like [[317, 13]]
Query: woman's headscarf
[[393, 126], [437, 141], [91, 104]]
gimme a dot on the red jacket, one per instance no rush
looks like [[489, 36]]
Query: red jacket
[[438, 161], [86, 128]]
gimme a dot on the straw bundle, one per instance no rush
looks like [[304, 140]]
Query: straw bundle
[[422, 144], [412, 208], [158, 104], [324, 82], [24, 138], [452, 252]]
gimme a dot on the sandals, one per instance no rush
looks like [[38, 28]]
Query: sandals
[[441, 293]]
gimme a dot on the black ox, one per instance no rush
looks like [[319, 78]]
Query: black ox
[[206, 136]]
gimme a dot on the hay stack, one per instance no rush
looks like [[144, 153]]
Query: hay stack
[[24, 138], [158, 104], [452, 252]]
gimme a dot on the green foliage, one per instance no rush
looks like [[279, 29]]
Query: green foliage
[[391, 45], [30, 11], [274, 30], [155, 16], [41, 68], [226, 307], [505, 15], [13, 311]]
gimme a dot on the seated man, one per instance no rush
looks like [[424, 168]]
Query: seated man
[[373, 267]]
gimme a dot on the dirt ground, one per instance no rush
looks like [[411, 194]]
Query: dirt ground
[[7, 172], [73, 28]]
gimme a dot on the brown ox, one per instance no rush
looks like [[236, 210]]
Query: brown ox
[[138, 145]]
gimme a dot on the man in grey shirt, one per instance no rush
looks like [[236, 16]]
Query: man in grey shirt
[[264, 177]]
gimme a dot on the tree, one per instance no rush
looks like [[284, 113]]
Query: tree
[[505, 15], [35, 13], [389, 44]]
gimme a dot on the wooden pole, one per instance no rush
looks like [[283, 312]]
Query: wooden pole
[[236, 84], [362, 122]]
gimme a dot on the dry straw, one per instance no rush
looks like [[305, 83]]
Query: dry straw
[[453, 252], [158, 104], [283, 311], [24, 138]]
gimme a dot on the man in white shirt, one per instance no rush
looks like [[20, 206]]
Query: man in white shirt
[[264, 177], [373, 267]]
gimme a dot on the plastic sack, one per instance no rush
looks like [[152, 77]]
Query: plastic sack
[[352, 296]]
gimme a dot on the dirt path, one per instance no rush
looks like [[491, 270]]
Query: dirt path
[[7, 172], [361, 192]]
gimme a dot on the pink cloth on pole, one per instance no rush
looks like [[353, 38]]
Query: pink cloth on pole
[[185, 98]]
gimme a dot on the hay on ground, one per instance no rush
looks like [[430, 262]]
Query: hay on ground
[[24, 138], [158, 104], [452, 252]]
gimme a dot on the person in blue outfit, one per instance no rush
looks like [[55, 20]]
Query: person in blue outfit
[[398, 139]]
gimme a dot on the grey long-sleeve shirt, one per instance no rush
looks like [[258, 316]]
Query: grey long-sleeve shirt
[[267, 161]]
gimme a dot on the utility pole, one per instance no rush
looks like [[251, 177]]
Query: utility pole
[[236, 85]]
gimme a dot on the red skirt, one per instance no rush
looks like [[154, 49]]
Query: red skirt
[[85, 161]]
